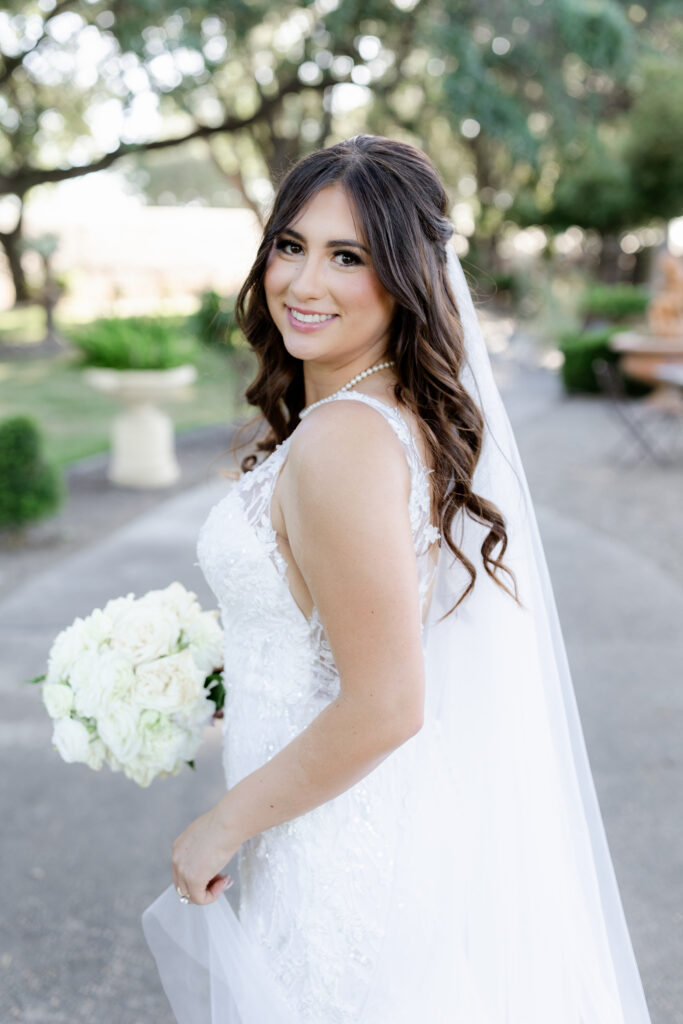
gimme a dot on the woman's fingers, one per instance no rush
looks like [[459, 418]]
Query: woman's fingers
[[218, 885], [181, 888], [200, 894]]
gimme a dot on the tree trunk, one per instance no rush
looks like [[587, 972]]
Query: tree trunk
[[11, 243]]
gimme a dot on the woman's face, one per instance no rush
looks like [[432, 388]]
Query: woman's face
[[322, 291]]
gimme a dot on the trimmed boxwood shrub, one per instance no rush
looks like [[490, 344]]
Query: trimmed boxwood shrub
[[30, 488], [617, 302], [134, 343], [580, 350], [214, 322]]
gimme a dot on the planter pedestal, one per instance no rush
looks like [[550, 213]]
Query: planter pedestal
[[143, 449], [142, 436]]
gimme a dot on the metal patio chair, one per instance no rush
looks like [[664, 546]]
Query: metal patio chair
[[653, 431]]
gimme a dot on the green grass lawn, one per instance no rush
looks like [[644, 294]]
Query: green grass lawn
[[23, 325], [75, 419]]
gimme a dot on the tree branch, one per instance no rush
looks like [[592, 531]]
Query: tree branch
[[10, 64], [26, 178], [237, 181]]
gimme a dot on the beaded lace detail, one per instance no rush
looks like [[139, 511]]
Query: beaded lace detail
[[315, 892]]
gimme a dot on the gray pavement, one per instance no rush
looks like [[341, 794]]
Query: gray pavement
[[84, 853]]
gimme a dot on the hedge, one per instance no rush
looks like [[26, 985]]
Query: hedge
[[30, 488], [580, 350]]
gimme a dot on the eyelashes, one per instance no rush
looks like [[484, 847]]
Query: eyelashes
[[284, 244], [350, 258]]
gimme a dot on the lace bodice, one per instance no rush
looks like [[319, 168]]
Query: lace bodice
[[279, 674], [273, 654]]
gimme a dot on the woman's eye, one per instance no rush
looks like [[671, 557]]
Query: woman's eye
[[347, 258], [288, 246]]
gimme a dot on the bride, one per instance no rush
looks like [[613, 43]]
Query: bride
[[407, 784]]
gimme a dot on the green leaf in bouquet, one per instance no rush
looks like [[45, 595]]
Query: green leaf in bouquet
[[36, 679], [214, 684], [191, 765]]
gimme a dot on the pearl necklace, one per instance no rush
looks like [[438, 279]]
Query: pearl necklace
[[346, 387]]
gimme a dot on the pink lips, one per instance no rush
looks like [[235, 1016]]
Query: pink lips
[[308, 328]]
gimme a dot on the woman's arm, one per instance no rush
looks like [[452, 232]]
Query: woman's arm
[[344, 497]]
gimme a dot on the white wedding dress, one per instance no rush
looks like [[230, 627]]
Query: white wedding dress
[[316, 892], [467, 880]]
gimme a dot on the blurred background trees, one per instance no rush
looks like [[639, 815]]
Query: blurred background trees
[[557, 126], [556, 113]]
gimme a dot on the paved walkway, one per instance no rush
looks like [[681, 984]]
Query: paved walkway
[[83, 854]]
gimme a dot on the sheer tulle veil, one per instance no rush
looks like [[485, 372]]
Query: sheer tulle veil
[[505, 907], [515, 818]]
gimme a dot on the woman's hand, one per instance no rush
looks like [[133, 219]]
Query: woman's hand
[[199, 854]]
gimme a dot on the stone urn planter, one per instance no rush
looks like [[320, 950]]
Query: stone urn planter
[[142, 436]]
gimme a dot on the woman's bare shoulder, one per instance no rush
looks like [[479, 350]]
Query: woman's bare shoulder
[[340, 441]]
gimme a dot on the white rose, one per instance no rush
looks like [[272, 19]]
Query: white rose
[[58, 699], [180, 602], [86, 685], [97, 629], [116, 678], [169, 684], [196, 717], [190, 748], [99, 680], [205, 638], [117, 607], [145, 632], [72, 740], [140, 771], [96, 753], [117, 726], [163, 742], [65, 651]]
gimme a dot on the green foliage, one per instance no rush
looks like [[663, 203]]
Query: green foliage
[[504, 281], [596, 31], [615, 302], [214, 684], [655, 146], [580, 350], [505, 286], [620, 173], [510, 93], [214, 322], [30, 488], [594, 191], [133, 343]]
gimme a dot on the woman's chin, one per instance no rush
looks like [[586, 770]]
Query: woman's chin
[[302, 346]]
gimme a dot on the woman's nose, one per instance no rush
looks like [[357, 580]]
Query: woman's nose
[[309, 280]]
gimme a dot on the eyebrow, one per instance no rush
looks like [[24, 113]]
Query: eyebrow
[[331, 244]]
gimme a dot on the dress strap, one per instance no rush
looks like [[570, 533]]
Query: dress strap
[[424, 532]]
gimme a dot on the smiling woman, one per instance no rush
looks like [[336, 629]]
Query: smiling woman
[[407, 785], [324, 295]]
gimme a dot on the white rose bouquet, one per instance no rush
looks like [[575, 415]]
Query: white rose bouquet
[[134, 684]]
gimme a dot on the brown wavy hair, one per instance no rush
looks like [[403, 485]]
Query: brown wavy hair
[[396, 195]]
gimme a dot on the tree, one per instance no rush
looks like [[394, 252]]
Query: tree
[[500, 95], [654, 147], [100, 62], [624, 169]]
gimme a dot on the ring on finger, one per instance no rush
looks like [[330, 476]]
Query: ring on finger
[[183, 896]]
